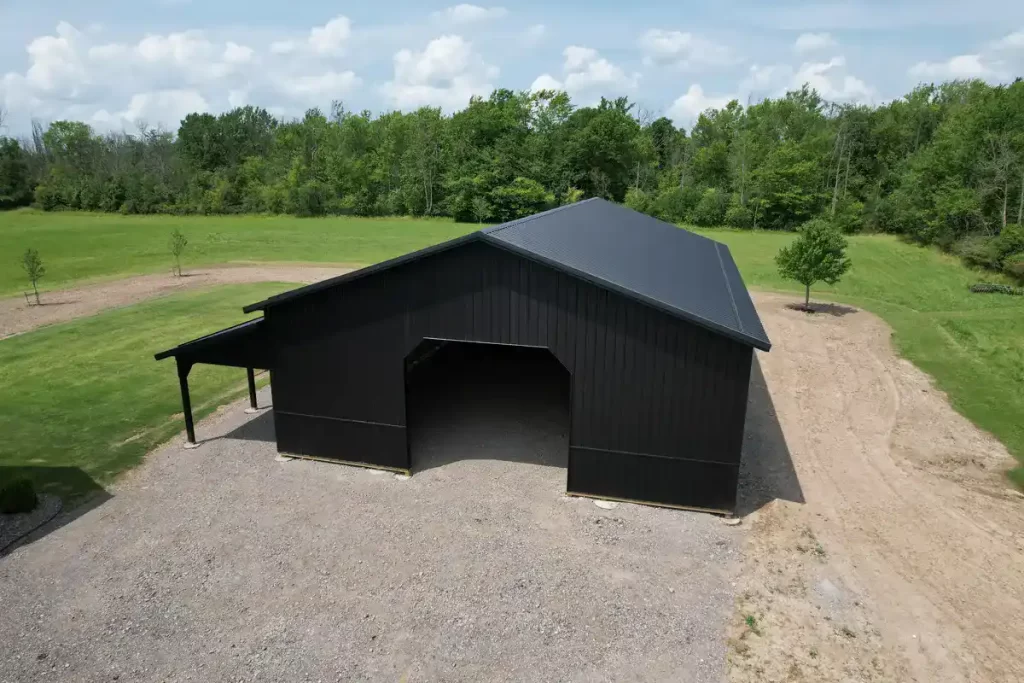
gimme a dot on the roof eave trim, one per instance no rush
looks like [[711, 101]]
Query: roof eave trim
[[360, 273], [205, 340], [743, 338]]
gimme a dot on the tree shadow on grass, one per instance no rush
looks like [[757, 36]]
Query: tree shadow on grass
[[766, 471], [78, 492]]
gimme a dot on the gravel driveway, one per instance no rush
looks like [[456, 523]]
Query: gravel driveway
[[224, 563]]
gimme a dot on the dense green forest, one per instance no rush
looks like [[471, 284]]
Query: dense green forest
[[943, 165]]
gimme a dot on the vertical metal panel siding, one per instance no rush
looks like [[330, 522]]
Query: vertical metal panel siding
[[644, 383]]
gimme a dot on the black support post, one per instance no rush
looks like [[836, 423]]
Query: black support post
[[252, 387], [186, 403]]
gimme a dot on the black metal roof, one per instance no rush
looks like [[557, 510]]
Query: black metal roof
[[685, 274]]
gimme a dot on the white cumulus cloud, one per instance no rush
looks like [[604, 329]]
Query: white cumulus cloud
[[155, 77], [586, 72], [546, 82], [684, 50], [330, 85], [535, 34], [237, 54], [1013, 41], [470, 14], [329, 40], [831, 79], [166, 106], [813, 42], [961, 66], [996, 61], [832, 82], [688, 106], [446, 73]]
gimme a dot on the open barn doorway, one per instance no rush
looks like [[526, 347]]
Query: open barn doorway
[[475, 403]]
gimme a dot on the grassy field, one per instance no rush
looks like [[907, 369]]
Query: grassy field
[[83, 401], [77, 246], [972, 344]]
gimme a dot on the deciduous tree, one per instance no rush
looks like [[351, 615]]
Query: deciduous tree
[[177, 245], [34, 269], [818, 254]]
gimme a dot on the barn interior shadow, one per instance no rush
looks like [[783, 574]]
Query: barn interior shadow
[[486, 402], [79, 493], [766, 471]]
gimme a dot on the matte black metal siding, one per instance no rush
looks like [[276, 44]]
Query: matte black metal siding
[[658, 404]]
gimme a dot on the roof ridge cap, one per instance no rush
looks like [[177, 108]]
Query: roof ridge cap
[[728, 287], [526, 219]]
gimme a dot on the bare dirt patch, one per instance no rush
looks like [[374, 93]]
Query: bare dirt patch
[[905, 562], [17, 315]]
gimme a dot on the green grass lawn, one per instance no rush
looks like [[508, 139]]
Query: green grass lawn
[[77, 246], [73, 394], [83, 401]]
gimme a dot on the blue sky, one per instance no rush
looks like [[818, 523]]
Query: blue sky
[[117, 64]]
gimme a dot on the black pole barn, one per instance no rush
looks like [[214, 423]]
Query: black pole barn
[[653, 323]]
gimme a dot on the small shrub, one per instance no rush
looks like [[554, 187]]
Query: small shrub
[[849, 217], [994, 288], [738, 216], [675, 204], [979, 251], [176, 245], [751, 622], [638, 200], [34, 269], [18, 496], [522, 197], [572, 195], [1013, 265], [710, 210], [1010, 241], [481, 209]]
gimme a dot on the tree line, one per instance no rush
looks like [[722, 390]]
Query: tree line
[[942, 165]]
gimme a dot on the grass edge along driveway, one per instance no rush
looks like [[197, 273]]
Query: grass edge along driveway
[[83, 401]]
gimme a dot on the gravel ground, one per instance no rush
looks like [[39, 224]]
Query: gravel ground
[[224, 564], [14, 527]]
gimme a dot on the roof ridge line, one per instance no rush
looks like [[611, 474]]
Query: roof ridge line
[[526, 219], [728, 287]]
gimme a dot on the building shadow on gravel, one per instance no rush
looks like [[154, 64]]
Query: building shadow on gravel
[[259, 428], [766, 471], [490, 402], [79, 493], [487, 402]]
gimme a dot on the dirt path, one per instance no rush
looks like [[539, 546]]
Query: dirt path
[[906, 563], [17, 316]]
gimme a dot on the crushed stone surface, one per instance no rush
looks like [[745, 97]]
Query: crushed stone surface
[[224, 564]]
